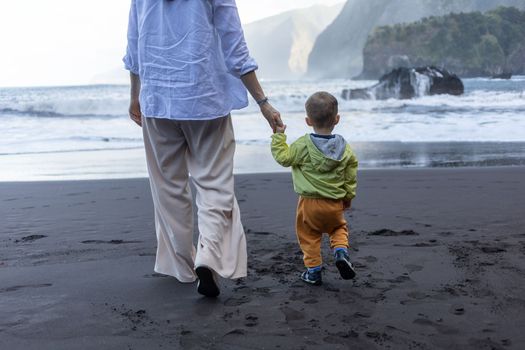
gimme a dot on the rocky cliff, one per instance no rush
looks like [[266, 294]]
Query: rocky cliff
[[338, 50], [282, 44], [468, 44]]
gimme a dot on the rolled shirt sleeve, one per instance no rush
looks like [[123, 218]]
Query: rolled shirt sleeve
[[131, 61], [228, 24], [189, 55]]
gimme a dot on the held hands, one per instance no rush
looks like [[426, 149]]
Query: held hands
[[134, 112], [280, 129], [272, 116]]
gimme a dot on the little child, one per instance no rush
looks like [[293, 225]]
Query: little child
[[324, 171]]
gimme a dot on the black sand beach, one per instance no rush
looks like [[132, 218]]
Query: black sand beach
[[440, 255]]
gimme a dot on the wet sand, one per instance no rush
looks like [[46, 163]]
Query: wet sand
[[440, 255]]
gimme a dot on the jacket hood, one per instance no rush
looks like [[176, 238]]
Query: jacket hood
[[326, 153]]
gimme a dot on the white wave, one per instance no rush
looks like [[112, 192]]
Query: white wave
[[34, 134], [373, 127], [96, 117], [422, 84], [472, 101], [68, 102]]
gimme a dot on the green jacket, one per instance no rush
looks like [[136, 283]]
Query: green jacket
[[314, 174]]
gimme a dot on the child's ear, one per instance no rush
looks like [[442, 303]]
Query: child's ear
[[308, 121], [337, 118]]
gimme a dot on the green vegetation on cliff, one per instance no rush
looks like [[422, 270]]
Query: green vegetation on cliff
[[468, 44]]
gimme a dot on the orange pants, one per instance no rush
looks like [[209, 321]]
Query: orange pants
[[315, 217]]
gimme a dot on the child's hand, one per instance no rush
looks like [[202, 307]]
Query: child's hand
[[280, 129], [347, 204]]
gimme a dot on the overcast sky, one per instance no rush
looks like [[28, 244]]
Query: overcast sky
[[68, 42]]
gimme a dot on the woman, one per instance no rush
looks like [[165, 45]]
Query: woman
[[188, 62]]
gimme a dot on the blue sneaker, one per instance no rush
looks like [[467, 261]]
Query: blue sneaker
[[312, 276], [343, 264]]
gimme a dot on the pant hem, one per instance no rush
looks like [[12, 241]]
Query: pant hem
[[340, 246], [178, 277], [314, 265], [229, 277]]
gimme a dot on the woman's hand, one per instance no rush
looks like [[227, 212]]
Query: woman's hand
[[134, 112], [272, 116], [280, 129], [134, 106]]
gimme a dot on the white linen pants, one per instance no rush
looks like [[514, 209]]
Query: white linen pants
[[204, 149]]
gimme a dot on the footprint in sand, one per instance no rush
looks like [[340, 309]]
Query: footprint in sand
[[457, 310], [147, 254], [137, 319], [291, 314], [493, 250], [311, 301], [252, 320], [370, 259], [418, 295], [399, 279], [431, 243], [234, 301], [441, 328], [155, 275], [390, 233], [259, 233], [30, 238], [113, 241], [378, 337], [330, 288], [73, 194], [489, 343], [446, 234], [413, 268], [235, 332], [15, 288]]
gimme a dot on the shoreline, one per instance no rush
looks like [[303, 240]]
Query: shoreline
[[255, 159], [439, 255], [309, 80], [281, 173]]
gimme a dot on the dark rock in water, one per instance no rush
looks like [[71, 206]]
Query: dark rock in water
[[504, 75], [407, 83]]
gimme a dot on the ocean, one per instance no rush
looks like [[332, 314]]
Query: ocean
[[75, 133]]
